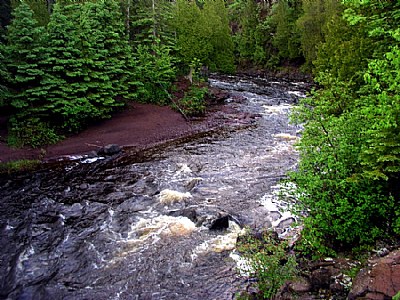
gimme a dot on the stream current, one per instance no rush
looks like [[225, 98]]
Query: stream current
[[161, 228]]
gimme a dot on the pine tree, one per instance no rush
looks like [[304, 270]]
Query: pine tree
[[88, 62], [153, 43], [64, 82], [316, 16], [4, 78], [23, 53], [107, 55], [249, 39]]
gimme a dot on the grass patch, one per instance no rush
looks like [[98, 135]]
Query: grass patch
[[22, 165]]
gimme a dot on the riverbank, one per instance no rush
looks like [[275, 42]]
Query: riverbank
[[139, 126]]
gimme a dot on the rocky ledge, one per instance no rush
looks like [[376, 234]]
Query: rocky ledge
[[329, 279]]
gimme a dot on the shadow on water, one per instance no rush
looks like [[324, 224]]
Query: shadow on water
[[154, 224]]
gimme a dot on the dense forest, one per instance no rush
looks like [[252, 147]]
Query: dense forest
[[68, 63]]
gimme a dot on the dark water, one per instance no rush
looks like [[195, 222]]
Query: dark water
[[162, 228]]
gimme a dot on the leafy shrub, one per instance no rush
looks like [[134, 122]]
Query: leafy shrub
[[31, 132], [349, 167], [193, 103], [397, 296], [269, 261], [155, 70]]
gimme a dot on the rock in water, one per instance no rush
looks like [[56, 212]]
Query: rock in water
[[109, 150]]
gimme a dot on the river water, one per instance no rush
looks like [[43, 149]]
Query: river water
[[159, 227]]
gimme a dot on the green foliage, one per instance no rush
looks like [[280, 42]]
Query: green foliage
[[18, 166], [78, 69], [40, 9], [193, 103], [22, 55], [269, 262], [350, 164], [317, 14], [204, 34], [149, 23], [4, 78], [267, 35], [221, 58], [87, 63], [31, 131], [397, 296], [156, 71], [286, 38], [253, 34]]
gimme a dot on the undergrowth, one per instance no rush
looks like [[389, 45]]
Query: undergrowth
[[269, 262], [19, 166]]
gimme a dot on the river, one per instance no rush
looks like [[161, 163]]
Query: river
[[160, 227]]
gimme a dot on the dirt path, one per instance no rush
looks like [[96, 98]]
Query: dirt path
[[138, 126]]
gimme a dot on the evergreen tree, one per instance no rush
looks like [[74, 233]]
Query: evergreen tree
[[150, 23], [252, 38], [41, 10], [88, 62], [155, 70], [153, 44], [107, 55], [4, 78], [65, 84], [23, 53]]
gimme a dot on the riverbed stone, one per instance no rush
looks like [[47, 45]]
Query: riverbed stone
[[380, 280], [218, 95], [72, 212], [109, 150], [83, 186], [301, 285]]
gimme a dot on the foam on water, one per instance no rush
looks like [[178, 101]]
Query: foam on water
[[91, 160], [150, 231], [279, 202], [164, 225], [168, 196], [297, 93], [285, 136], [277, 109], [242, 264], [225, 242]]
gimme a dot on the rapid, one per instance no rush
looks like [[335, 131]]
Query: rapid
[[160, 226]]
